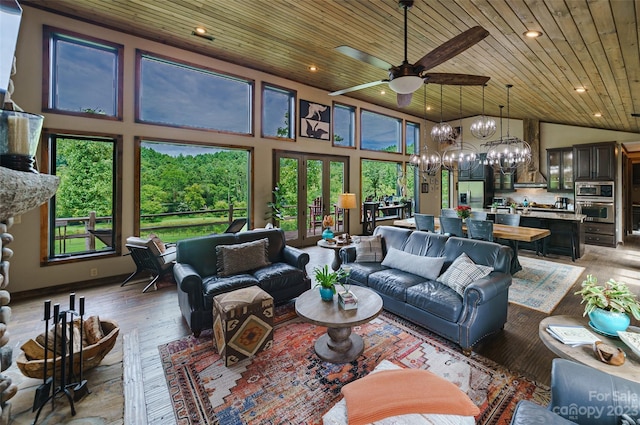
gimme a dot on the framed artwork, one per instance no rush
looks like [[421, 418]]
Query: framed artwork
[[424, 187], [315, 120]]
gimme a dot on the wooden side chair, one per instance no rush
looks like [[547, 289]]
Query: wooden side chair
[[148, 256], [315, 214], [480, 229]]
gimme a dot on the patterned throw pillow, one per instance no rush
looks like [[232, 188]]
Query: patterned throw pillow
[[242, 257], [369, 249], [462, 272]]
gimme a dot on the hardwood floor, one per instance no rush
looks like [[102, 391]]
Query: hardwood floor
[[153, 318]]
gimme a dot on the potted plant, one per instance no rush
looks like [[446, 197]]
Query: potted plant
[[512, 208], [276, 206], [608, 305], [327, 281], [463, 211], [494, 207]]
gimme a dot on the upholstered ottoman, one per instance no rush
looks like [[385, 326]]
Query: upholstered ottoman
[[242, 323]]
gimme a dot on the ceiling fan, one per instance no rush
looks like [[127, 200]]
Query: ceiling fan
[[406, 78]]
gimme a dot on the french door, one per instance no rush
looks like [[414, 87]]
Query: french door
[[310, 184]]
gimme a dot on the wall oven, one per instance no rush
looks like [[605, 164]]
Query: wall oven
[[596, 201]]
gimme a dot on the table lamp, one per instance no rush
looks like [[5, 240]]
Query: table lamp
[[346, 201]]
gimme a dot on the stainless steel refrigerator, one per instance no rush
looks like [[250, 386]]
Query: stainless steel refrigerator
[[472, 193]]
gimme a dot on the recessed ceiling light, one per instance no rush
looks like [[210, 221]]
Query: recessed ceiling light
[[428, 108], [580, 89], [201, 30], [313, 68], [597, 115], [382, 92], [533, 34]]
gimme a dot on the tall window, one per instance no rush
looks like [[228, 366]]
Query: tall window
[[83, 75], [278, 112], [344, 125], [380, 132], [178, 94], [412, 138], [191, 190], [83, 218], [380, 179]]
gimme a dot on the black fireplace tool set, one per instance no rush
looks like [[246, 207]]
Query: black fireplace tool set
[[65, 381]]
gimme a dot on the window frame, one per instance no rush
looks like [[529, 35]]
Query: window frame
[[293, 111], [47, 207], [48, 33], [140, 54], [416, 141], [400, 165], [354, 125], [400, 142], [138, 140]]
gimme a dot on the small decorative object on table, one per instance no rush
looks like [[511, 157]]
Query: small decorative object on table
[[494, 207], [463, 211], [513, 208], [327, 223], [327, 281], [609, 354], [347, 300], [608, 306], [632, 339]]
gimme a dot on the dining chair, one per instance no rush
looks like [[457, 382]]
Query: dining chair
[[448, 212], [425, 222], [451, 226], [508, 219], [478, 215], [480, 229]]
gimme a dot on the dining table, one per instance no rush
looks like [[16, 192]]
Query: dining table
[[511, 234]]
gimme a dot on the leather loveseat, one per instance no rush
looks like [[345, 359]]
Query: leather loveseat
[[199, 278], [463, 319], [585, 396]]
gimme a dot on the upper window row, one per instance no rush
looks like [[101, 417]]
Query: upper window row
[[84, 78]]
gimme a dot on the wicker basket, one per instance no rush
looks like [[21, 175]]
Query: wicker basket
[[92, 355]]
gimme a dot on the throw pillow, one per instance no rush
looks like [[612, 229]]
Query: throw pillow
[[462, 272], [369, 249], [400, 392], [427, 267], [242, 257], [158, 243]]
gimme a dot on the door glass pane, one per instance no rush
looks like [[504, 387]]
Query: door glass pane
[[445, 189], [288, 184], [567, 170], [336, 187], [554, 170], [314, 197]]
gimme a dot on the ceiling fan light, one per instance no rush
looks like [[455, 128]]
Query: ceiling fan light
[[406, 84]]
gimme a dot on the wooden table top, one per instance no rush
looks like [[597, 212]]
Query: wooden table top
[[324, 244], [310, 307], [500, 231], [584, 353]]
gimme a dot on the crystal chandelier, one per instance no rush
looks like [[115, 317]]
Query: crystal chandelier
[[427, 163], [507, 153], [458, 156], [441, 132], [483, 127]]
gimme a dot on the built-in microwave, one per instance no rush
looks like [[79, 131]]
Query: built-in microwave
[[601, 190]]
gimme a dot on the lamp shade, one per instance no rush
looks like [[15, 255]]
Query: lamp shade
[[347, 201], [406, 84]]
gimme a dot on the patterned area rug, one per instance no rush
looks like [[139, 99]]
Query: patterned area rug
[[289, 384], [541, 284]]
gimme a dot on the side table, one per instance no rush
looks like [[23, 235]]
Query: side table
[[584, 353], [337, 261]]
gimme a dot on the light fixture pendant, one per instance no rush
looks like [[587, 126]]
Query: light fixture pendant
[[483, 127], [441, 132], [427, 163], [459, 156]]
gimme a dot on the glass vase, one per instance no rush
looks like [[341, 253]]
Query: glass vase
[[327, 233], [19, 138]]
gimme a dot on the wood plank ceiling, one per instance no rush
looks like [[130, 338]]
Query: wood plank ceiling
[[585, 43]]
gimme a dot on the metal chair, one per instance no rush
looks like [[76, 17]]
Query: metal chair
[[448, 212], [148, 257], [480, 229], [478, 215], [236, 225], [425, 222], [451, 226], [315, 214], [508, 219]]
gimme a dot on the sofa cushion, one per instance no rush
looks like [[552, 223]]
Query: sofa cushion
[[437, 299], [214, 285], [278, 276], [393, 283], [426, 244], [427, 267], [462, 272], [368, 249], [360, 272], [242, 257]]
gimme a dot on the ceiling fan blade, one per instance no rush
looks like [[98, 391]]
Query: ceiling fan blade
[[453, 47], [364, 57], [455, 79], [404, 99], [359, 87]]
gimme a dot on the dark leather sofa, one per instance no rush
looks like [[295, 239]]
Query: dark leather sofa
[[585, 396], [431, 304], [196, 275]]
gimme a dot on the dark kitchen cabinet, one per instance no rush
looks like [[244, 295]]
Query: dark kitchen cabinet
[[503, 182], [560, 170], [600, 233], [595, 161], [476, 171]]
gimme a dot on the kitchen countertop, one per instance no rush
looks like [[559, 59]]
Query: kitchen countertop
[[548, 213]]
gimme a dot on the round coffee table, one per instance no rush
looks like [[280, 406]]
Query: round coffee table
[[337, 262], [338, 345], [584, 353]]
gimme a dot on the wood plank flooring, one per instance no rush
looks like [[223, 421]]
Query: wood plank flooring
[[153, 318]]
